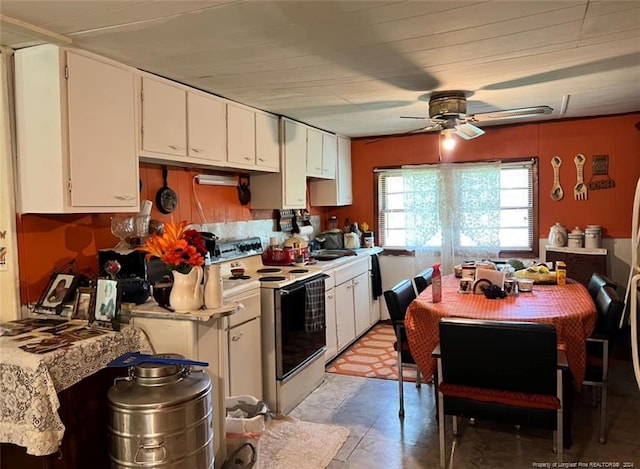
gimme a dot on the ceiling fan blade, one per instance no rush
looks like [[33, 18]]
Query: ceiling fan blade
[[468, 131], [427, 128], [511, 113]]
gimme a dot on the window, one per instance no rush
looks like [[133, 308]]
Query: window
[[463, 208]]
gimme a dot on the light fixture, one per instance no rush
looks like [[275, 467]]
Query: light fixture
[[448, 142], [216, 180]]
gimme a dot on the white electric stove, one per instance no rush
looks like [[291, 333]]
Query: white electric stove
[[292, 316]]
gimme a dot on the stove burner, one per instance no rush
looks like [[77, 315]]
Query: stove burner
[[268, 270], [272, 278], [299, 271], [239, 277]]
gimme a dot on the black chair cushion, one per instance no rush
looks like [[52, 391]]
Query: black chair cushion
[[423, 279], [610, 309], [597, 281]]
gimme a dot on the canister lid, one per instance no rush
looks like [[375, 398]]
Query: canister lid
[[577, 232], [157, 370]]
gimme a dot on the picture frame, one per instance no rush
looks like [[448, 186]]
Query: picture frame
[[59, 290], [104, 306], [81, 304]]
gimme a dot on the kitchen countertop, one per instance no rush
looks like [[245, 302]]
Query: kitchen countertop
[[150, 309], [360, 253]]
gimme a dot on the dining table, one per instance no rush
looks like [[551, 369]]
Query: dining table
[[569, 308]]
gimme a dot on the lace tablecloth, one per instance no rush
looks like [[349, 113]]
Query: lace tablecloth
[[569, 308], [30, 383]]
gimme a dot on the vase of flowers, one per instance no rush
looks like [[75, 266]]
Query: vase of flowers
[[183, 252]]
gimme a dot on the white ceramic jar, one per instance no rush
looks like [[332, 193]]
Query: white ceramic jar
[[576, 238], [593, 237], [558, 235]]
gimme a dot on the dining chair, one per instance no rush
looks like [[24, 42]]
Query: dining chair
[[510, 372], [398, 300], [422, 280], [597, 281], [609, 309]]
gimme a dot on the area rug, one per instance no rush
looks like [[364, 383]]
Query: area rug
[[289, 443], [372, 356]]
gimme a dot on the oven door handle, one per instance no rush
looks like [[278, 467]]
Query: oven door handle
[[300, 285]]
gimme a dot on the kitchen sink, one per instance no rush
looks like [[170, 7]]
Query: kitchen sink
[[331, 254]]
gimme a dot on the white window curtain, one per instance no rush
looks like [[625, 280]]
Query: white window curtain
[[447, 213]]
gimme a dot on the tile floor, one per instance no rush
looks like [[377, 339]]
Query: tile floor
[[379, 439]]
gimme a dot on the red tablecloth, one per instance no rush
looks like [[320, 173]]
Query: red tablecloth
[[569, 308]]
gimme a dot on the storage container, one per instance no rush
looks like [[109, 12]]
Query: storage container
[[161, 417], [576, 238], [593, 237]]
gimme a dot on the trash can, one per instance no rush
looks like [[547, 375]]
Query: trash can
[[245, 424]]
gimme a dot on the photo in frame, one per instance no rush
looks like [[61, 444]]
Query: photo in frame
[[104, 307], [81, 304], [60, 290]]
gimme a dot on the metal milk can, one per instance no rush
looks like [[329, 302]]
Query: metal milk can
[[161, 416]]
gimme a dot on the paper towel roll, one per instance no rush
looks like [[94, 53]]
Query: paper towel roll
[[213, 287], [306, 231]]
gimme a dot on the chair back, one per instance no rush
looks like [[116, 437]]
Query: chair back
[[398, 299], [423, 279], [597, 281], [610, 309], [502, 355]]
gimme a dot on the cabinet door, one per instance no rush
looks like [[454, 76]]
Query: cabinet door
[[345, 323], [267, 142], [361, 302], [332, 334], [102, 134], [164, 118], [207, 128], [344, 172], [245, 360], [314, 153], [295, 165], [329, 156], [241, 136]]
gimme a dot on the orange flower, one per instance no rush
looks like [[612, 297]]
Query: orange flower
[[174, 248]]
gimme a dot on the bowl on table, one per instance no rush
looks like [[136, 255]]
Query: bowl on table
[[525, 285]]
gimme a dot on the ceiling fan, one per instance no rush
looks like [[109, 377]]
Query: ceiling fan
[[448, 114]]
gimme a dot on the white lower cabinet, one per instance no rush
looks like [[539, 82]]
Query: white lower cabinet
[[330, 315], [352, 294]]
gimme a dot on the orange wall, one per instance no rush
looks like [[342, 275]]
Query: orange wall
[[46, 242], [615, 136]]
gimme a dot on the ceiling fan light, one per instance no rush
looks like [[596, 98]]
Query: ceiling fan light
[[448, 142]]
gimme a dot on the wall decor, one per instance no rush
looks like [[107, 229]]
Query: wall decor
[[580, 189], [600, 165], [556, 191]]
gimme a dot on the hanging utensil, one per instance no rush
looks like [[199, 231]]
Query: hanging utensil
[[580, 189], [556, 191], [244, 194], [166, 198]]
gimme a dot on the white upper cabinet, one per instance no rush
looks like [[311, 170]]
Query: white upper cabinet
[[206, 127], [321, 154], [288, 188], [164, 118], [182, 125], [314, 153], [335, 192], [76, 132], [267, 142], [253, 139], [329, 155], [241, 135]]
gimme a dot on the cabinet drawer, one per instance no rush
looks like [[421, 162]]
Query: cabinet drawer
[[251, 303], [351, 270]]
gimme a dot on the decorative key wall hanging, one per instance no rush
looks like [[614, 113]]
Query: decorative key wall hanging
[[600, 165]]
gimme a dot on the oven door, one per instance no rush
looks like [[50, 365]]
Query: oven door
[[300, 325]]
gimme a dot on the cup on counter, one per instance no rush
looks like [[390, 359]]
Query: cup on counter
[[466, 284]]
